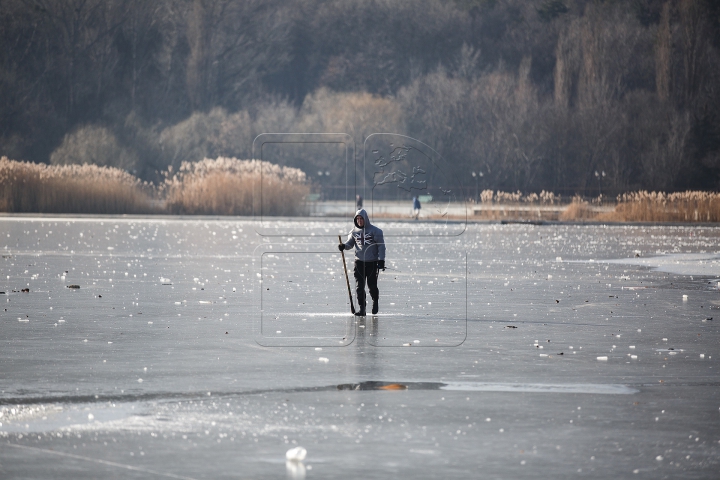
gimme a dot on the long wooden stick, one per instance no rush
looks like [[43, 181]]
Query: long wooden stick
[[347, 280]]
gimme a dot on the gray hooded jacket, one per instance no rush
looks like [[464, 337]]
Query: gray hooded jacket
[[368, 241]]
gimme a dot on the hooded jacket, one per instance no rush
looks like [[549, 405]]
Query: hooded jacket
[[368, 241]]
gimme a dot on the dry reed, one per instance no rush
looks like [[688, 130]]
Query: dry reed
[[500, 197], [39, 188], [228, 186], [667, 207], [578, 210]]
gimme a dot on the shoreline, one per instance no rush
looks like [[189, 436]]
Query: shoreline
[[6, 216]]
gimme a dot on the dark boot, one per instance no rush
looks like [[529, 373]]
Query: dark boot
[[361, 313], [376, 307]]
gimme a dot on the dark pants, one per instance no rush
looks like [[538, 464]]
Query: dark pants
[[366, 271]]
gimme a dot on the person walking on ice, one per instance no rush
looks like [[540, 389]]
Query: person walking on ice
[[416, 207], [369, 259]]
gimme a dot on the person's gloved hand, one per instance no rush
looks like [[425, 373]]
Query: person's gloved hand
[[341, 247], [381, 265]]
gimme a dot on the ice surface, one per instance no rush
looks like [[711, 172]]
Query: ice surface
[[213, 403]]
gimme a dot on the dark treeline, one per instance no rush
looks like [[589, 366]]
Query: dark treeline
[[534, 94]]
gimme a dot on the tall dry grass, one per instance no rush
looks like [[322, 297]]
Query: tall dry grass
[[500, 197], [668, 207], [646, 206], [578, 209], [39, 188], [228, 186]]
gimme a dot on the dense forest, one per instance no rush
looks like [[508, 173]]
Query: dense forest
[[568, 96]]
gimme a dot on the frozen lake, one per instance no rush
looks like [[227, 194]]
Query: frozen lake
[[197, 348]]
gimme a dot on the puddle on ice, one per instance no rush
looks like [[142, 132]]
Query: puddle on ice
[[707, 264], [61, 418], [338, 314], [123, 415], [594, 388]]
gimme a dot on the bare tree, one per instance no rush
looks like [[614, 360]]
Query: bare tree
[[694, 47], [663, 55], [232, 46], [666, 158], [567, 63], [78, 29]]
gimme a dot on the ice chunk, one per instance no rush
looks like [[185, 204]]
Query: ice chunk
[[602, 359], [323, 360], [296, 454]]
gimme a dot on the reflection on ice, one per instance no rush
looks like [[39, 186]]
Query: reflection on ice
[[295, 470]]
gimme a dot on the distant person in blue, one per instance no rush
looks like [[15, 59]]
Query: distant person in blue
[[416, 208], [369, 259]]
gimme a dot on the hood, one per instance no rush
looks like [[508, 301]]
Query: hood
[[364, 215]]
